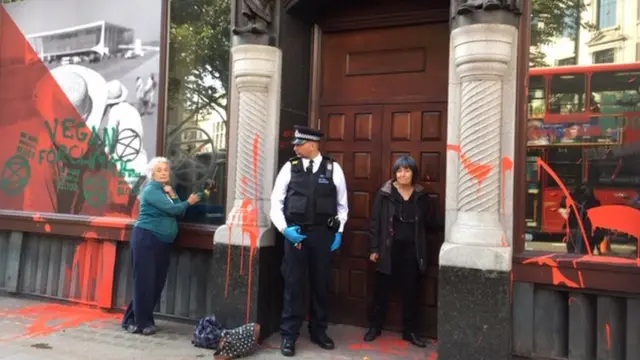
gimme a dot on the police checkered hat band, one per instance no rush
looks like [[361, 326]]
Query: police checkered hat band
[[302, 136]]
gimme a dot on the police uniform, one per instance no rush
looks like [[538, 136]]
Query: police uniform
[[310, 196]]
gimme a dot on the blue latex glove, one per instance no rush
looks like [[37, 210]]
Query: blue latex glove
[[292, 233], [337, 241]]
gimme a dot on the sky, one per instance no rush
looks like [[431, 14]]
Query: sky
[[34, 16]]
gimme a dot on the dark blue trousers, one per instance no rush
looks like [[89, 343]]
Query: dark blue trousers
[[149, 264], [311, 262]]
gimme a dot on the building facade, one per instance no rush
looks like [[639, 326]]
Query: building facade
[[610, 34], [442, 81]]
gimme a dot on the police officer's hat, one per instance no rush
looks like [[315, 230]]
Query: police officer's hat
[[302, 134]]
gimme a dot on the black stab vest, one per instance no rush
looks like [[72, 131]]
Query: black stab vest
[[311, 198]]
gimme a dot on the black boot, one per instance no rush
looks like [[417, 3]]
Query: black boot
[[377, 319], [413, 339], [372, 333], [287, 347]]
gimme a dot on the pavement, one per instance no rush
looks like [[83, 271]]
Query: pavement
[[39, 330]]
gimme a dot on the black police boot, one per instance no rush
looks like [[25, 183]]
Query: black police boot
[[323, 340], [372, 333], [413, 339], [287, 347]]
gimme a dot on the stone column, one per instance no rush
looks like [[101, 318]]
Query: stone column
[[242, 244], [474, 281]]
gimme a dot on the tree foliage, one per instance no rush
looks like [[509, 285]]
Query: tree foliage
[[550, 20], [199, 45]]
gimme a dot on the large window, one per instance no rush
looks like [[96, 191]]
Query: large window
[[607, 13], [536, 97], [615, 92], [567, 94], [607, 56], [567, 61], [196, 125], [79, 130], [571, 23]]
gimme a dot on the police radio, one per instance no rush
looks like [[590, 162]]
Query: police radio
[[334, 224]]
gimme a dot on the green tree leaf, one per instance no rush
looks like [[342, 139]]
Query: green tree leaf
[[550, 19], [199, 45]]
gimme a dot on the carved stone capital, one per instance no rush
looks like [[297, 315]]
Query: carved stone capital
[[460, 8], [254, 66], [482, 51]]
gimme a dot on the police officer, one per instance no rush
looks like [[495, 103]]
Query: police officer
[[309, 207]]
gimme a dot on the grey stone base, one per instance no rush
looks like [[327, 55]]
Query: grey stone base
[[474, 314], [263, 298]]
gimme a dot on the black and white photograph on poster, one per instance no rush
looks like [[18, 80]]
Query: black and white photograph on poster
[[110, 50]]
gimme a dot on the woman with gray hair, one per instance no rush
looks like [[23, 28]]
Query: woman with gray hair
[[151, 240]]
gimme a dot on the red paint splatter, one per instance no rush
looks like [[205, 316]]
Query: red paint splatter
[[616, 217], [620, 218], [507, 165], [570, 202], [49, 319], [476, 170], [557, 277], [248, 215]]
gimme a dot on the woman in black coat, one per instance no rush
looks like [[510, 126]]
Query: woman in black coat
[[402, 216]]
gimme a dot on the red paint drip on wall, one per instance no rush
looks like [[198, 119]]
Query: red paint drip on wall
[[507, 165], [607, 328], [558, 278], [248, 215], [476, 170]]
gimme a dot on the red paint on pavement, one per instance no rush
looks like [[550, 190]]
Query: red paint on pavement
[[48, 319]]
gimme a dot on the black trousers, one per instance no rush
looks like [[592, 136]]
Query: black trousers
[[404, 273], [150, 264], [311, 262]]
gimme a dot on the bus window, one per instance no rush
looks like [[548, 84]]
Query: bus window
[[615, 92], [566, 162], [536, 97], [614, 172], [568, 94]]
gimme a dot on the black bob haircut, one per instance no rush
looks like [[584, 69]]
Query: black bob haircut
[[406, 162]]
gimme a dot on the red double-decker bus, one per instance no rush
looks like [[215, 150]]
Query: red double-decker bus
[[584, 123]]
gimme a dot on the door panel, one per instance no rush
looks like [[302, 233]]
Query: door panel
[[383, 94], [418, 130], [386, 65], [352, 138]]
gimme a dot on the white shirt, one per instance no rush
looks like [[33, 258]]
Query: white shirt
[[282, 183]]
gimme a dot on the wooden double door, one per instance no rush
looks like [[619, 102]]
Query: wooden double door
[[383, 95]]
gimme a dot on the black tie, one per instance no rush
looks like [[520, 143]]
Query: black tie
[[310, 167]]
